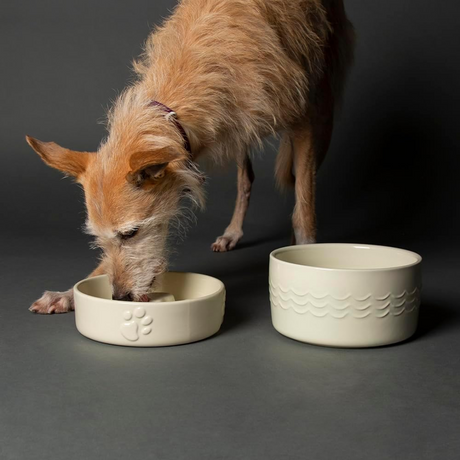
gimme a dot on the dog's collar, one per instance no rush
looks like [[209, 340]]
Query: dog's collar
[[171, 115]]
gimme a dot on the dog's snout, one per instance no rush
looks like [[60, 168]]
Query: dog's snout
[[127, 297]]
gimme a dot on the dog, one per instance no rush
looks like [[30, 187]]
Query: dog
[[215, 79]]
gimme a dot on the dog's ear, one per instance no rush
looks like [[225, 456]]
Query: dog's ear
[[150, 166], [68, 161]]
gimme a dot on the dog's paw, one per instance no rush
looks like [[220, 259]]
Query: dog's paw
[[226, 242], [53, 302]]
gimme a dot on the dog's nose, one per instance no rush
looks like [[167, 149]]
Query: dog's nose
[[125, 297]]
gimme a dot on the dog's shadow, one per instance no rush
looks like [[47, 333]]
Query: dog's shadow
[[250, 243]]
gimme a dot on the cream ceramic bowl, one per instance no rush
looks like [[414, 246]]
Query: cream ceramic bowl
[[345, 295], [197, 312]]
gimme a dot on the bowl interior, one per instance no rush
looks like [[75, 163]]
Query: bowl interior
[[183, 286], [347, 256]]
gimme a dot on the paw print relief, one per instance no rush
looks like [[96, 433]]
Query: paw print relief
[[136, 324]]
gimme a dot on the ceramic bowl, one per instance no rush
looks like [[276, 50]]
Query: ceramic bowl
[[196, 313], [345, 295]]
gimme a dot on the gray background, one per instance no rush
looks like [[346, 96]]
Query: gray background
[[390, 178]]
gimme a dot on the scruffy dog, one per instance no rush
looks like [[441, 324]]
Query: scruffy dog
[[215, 79]]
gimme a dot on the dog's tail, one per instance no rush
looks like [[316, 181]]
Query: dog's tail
[[284, 163]]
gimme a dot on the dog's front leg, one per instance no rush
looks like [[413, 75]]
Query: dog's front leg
[[58, 302], [234, 231]]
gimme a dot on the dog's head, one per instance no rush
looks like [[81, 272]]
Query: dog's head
[[133, 196]]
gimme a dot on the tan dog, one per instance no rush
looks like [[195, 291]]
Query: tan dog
[[233, 72]]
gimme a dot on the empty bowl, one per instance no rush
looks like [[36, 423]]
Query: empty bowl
[[196, 313], [345, 295]]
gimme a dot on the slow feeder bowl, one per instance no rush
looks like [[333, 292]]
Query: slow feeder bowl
[[345, 295], [196, 313]]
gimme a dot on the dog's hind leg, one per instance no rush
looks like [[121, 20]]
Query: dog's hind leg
[[304, 217], [310, 142], [234, 231], [310, 137]]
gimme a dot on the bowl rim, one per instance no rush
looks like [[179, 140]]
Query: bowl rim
[[144, 304], [274, 253]]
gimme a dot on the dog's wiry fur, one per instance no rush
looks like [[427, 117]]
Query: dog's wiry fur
[[234, 71]]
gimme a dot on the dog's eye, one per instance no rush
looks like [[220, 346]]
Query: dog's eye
[[130, 234]]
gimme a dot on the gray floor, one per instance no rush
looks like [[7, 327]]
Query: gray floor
[[246, 393], [391, 178]]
